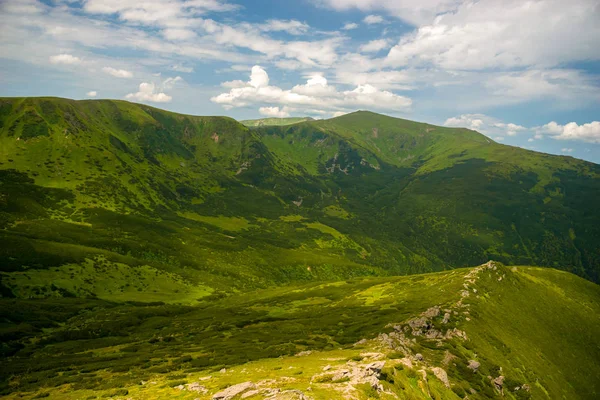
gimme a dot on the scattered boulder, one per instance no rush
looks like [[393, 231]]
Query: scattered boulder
[[233, 391], [419, 357], [474, 365], [446, 318], [432, 312], [441, 375], [407, 361], [499, 382], [196, 387]]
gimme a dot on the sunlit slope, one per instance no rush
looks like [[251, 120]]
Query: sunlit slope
[[211, 206], [452, 195], [274, 121], [486, 332]]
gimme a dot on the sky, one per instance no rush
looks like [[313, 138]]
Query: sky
[[523, 72]]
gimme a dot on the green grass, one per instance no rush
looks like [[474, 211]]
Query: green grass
[[184, 191], [142, 245], [539, 326]]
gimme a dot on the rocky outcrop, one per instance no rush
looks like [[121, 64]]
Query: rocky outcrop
[[233, 391]]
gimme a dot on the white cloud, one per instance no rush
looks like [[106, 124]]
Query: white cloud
[[504, 34], [511, 129], [554, 83], [274, 112], [181, 68], [493, 127], [589, 132], [373, 19], [93, 93], [469, 121], [349, 26], [316, 94], [413, 11], [292, 26], [118, 73], [173, 13], [309, 53], [374, 46], [566, 150], [178, 34], [398, 80], [259, 77], [148, 92], [170, 82], [67, 59], [487, 125]]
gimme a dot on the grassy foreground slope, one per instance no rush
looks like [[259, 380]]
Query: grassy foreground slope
[[485, 332]]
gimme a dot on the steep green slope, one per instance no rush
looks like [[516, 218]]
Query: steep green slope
[[485, 332], [451, 196], [124, 196], [274, 121]]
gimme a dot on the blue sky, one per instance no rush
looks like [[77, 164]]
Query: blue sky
[[525, 73]]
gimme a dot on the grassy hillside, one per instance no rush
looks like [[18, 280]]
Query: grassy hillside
[[486, 332], [274, 121], [147, 205]]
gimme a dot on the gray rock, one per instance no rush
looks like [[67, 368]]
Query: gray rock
[[441, 375], [474, 365], [419, 357], [233, 391], [375, 367], [446, 318], [196, 387], [499, 382]]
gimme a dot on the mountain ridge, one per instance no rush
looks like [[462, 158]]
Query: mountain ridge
[[375, 192]]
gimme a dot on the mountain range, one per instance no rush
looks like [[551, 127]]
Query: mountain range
[[168, 247]]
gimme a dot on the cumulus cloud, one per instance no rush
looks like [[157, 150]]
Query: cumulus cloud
[[589, 132], [492, 127], [511, 129], [373, 19], [119, 73], [315, 94], [274, 112], [504, 34], [67, 59], [566, 150], [349, 26], [93, 93], [374, 46], [148, 92], [487, 125]]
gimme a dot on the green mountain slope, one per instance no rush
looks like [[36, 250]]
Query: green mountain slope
[[486, 332], [274, 121], [206, 206]]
